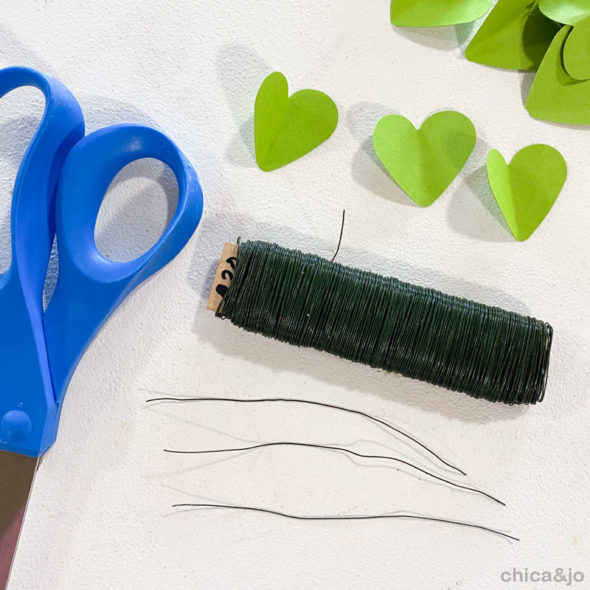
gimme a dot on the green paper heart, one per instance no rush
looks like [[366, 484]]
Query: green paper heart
[[437, 13], [567, 12], [555, 95], [288, 127], [576, 51], [527, 188], [516, 35], [424, 161]]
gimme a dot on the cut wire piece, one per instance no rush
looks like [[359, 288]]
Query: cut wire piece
[[309, 402], [336, 518], [341, 450]]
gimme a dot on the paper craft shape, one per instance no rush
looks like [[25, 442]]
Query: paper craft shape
[[555, 95], [437, 13], [424, 162], [516, 35], [527, 188], [288, 127], [567, 12], [576, 51]]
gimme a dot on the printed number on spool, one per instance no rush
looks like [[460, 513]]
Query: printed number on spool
[[223, 275]]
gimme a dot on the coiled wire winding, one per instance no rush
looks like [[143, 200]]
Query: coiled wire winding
[[305, 300]]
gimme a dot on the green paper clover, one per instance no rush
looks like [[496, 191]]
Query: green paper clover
[[437, 13], [527, 188], [288, 127], [516, 35], [523, 35], [424, 162]]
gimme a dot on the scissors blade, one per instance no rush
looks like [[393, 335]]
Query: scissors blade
[[17, 473]]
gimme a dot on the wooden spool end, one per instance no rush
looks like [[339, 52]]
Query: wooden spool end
[[223, 275]]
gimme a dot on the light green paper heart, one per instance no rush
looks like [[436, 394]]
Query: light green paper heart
[[424, 162], [527, 188], [576, 51], [555, 95], [567, 12], [437, 13], [288, 127], [515, 35]]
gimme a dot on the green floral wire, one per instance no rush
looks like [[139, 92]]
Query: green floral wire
[[387, 324]]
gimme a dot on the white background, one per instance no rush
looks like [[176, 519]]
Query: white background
[[100, 516]]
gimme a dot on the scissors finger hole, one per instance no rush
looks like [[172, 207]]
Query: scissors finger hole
[[21, 111], [137, 208]]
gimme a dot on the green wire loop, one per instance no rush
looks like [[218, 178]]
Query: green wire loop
[[385, 323]]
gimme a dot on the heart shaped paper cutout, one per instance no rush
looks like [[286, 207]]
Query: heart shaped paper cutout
[[437, 13], [516, 35], [424, 162], [567, 12], [288, 127], [527, 188], [555, 95], [576, 51]]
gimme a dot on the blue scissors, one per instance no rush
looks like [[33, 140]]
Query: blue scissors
[[61, 182]]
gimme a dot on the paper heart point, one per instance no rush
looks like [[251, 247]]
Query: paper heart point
[[437, 13], [527, 188], [288, 127], [424, 161]]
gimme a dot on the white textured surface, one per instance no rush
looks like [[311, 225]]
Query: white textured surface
[[100, 515]]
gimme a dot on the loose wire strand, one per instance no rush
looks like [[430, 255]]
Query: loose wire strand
[[341, 518], [314, 403], [341, 450], [341, 235]]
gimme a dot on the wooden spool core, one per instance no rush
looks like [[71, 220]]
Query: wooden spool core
[[223, 275]]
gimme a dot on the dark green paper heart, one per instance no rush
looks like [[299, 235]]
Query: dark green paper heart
[[288, 127]]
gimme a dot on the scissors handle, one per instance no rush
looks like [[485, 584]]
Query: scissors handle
[[90, 286], [32, 214], [28, 411]]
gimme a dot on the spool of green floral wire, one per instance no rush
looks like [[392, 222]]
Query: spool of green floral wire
[[379, 321]]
